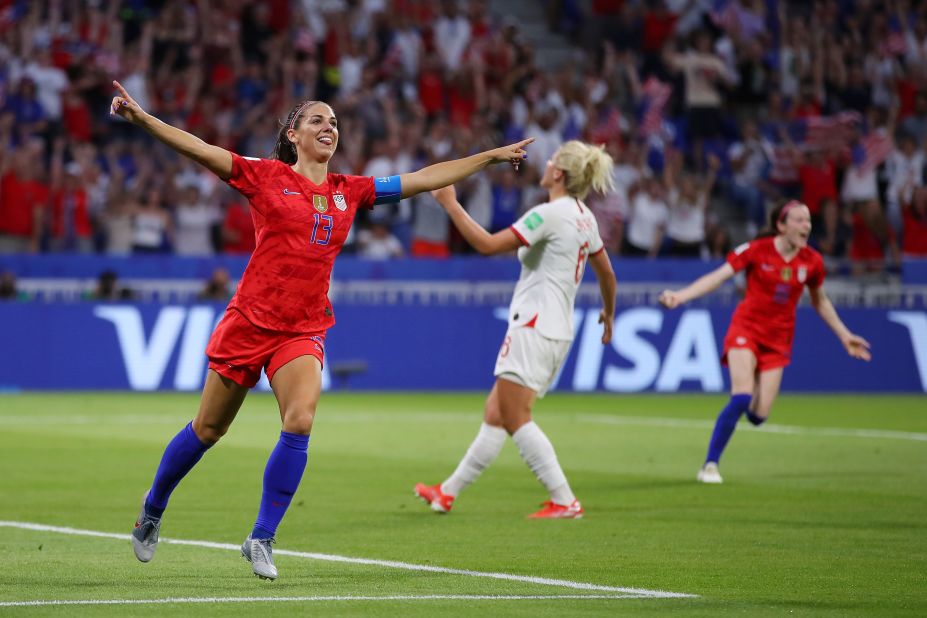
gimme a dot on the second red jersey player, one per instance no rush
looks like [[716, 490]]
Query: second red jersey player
[[758, 346], [764, 321]]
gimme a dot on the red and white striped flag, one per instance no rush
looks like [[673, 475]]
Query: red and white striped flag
[[877, 146], [894, 44], [785, 162], [831, 131], [657, 94]]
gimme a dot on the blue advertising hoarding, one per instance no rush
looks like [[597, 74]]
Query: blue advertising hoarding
[[160, 347]]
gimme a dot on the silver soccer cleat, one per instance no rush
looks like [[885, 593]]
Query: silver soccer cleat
[[145, 534], [261, 557]]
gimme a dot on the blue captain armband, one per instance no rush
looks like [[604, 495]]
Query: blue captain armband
[[388, 188]]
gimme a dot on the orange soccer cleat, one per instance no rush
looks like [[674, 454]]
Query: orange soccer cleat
[[440, 502], [558, 511]]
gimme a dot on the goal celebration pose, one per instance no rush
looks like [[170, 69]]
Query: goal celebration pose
[[779, 264], [280, 313], [554, 242]]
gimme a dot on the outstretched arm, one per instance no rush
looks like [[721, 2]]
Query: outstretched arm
[[448, 172], [701, 286], [215, 159], [473, 232], [856, 346], [604, 274]]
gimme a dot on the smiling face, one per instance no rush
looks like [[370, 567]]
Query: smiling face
[[315, 134], [796, 228]]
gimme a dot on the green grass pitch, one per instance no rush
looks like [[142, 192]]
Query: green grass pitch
[[822, 512]]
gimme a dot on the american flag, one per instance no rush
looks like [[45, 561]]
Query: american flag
[[606, 127], [656, 95], [785, 161], [894, 44], [872, 150], [827, 132], [723, 14]]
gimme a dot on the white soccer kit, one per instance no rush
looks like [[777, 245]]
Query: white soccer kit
[[559, 237]]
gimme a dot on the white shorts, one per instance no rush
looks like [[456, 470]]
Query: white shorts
[[530, 359]]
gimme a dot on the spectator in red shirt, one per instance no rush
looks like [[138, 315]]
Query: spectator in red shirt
[[818, 177], [22, 200], [657, 28], [872, 235], [69, 226], [76, 116], [914, 239]]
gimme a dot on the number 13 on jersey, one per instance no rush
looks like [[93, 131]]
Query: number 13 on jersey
[[321, 229]]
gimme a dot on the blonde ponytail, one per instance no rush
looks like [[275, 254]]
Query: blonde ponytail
[[587, 167]]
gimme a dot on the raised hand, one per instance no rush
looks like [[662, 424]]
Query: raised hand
[[857, 347], [445, 195], [124, 105], [514, 153]]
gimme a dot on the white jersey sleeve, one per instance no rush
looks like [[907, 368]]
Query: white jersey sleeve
[[533, 227]]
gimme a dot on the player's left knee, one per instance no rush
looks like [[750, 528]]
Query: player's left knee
[[298, 419]]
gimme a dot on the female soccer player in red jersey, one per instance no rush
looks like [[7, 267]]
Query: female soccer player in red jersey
[[554, 241], [758, 345], [280, 313]]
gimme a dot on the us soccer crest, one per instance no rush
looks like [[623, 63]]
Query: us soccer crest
[[320, 202], [802, 273], [340, 202], [786, 273]]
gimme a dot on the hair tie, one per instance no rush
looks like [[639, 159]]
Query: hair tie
[[785, 210]]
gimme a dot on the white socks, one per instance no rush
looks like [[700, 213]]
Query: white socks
[[483, 451], [538, 453]]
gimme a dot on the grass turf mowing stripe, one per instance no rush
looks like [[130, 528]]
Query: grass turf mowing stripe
[[544, 581], [601, 419], [393, 597], [830, 432]]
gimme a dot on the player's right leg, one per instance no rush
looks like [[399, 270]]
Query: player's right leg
[[742, 365], [536, 449], [219, 404], [767, 389], [482, 452]]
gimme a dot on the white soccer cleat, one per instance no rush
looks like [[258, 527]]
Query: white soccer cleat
[[710, 474]]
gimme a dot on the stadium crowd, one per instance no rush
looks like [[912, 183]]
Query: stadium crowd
[[714, 111]]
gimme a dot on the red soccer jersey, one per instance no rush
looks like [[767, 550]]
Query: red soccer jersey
[[773, 289], [299, 229]]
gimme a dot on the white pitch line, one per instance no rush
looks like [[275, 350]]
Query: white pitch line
[[677, 423], [394, 597], [528, 579]]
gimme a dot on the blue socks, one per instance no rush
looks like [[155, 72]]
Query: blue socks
[[179, 457], [724, 426], [281, 478], [754, 419]]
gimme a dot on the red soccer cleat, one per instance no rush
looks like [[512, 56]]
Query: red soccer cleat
[[440, 502], [558, 511]]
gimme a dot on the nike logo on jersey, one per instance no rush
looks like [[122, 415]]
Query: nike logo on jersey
[[288, 192], [767, 267]]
